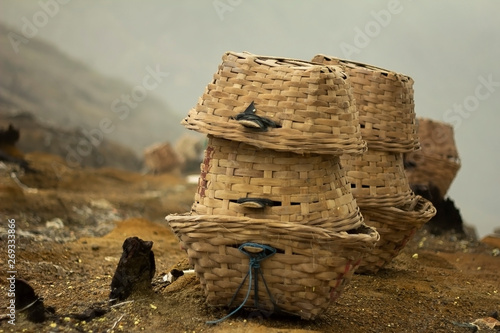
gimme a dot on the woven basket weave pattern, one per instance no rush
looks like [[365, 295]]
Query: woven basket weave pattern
[[438, 162], [308, 189], [384, 100], [396, 226], [437, 139], [377, 178], [430, 170], [309, 271], [284, 170], [311, 104]]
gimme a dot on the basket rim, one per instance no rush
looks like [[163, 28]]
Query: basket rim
[[415, 212], [190, 223], [285, 60], [368, 67], [384, 199]]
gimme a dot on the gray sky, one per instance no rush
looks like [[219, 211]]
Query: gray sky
[[450, 48]]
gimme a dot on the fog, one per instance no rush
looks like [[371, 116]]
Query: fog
[[450, 48]]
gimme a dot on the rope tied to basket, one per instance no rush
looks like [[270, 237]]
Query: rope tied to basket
[[249, 119], [253, 266]]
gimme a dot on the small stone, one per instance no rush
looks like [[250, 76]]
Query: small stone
[[101, 204], [415, 256], [95, 247], [488, 323], [55, 223]]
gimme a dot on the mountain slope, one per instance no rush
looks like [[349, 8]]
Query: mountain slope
[[65, 92]]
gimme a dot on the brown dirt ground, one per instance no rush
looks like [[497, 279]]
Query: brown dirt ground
[[433, 283]]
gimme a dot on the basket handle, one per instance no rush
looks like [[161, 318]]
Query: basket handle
[[264, 252], [249, 119], [255, 202]]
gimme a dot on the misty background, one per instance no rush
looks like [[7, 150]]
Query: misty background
[[450, 48]]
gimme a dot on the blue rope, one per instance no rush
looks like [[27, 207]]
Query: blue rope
[[254, 265]]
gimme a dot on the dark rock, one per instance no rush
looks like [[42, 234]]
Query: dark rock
[[89, 314], [29, 303], [9, 136], [447, 218], [8, 152], [135, 269]]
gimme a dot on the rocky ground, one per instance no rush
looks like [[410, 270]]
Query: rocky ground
[[71, 224]]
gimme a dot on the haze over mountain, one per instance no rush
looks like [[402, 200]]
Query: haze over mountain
[[450, 48], [68, 93]]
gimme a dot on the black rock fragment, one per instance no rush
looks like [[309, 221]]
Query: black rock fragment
[[135, 269], [8, 139], [447, 218], [28, 303], [89, 314]]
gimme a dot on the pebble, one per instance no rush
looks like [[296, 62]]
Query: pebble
[[55, 223], [101, 204]]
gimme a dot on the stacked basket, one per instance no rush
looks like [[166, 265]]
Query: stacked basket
[[438, 162], [384, 100], [273, 203]]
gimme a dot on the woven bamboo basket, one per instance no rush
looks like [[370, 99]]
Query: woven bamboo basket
[[281, 104], [377, 178], [385, 103], [309, 270], [438, 162], [238, 180], [396, 226], [161, 158]]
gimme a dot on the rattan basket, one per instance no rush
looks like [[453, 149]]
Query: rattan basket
[[396, 226], [308, 271], [377, 178], [281, 104], [438, 162], [238, 180], [384, 100]]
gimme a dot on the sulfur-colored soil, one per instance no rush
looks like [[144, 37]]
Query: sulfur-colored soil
[[437, 284]]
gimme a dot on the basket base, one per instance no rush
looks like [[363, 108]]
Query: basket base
[[308, 271]]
